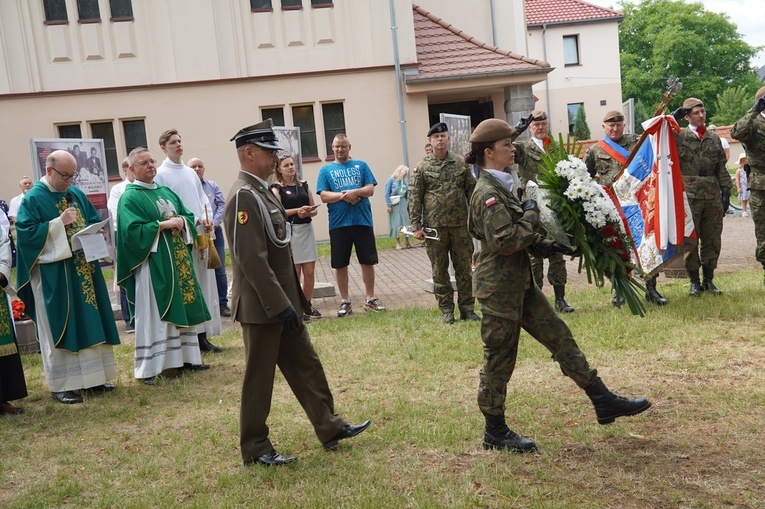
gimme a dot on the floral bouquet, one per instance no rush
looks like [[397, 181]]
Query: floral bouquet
[[595, 226], [18, 309]]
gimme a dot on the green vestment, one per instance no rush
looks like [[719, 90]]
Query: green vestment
[[176, 290], [76, 300]]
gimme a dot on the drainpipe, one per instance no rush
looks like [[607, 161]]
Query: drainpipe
[[493, 24], [399, 90], [547, 79]]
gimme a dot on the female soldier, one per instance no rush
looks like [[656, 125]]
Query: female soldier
[[509, 298]]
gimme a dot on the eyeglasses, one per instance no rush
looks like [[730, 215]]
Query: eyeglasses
[[65, 176]]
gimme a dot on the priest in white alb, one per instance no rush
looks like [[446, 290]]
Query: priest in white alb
[[184, 182], [155, 235]]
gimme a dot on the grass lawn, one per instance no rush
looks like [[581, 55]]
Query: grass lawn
[[176, 444]]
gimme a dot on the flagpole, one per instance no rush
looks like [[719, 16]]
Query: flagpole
[[673, 87]]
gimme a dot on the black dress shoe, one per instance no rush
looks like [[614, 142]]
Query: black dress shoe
[[270, 459], [195, 367], [66, 397], [101, 388], [348, 431], [149, 380], [8, 409]]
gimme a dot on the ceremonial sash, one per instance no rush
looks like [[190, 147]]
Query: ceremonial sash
[[615, 150]]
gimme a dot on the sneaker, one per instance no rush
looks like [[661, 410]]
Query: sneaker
[[129, 329], [225, 311], [314, 313], [345, 309], [745, 214], [373, 305], [448, 318], [306, 317]]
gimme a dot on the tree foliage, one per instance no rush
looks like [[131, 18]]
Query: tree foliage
[[731, 105], [663, 38], [581, 129]]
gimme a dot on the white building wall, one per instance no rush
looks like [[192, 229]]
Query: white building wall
[[173, 41], [597, 79]]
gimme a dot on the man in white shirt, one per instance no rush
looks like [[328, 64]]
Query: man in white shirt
[[13, 208], [183, 181], [114, 199]]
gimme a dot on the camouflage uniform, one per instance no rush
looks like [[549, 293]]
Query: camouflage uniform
[[528, 157], [705, 177], [600, 162], [750, 131], [502, 283], [438, 197]]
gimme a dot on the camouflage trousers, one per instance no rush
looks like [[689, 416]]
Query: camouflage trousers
[[455, 242], [757, 205], [708, 221], [556, 272], [500, 349]]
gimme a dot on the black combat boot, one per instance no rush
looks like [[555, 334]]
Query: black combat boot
[[696, 288], [205, 345], [499, 436], [652, 295], [707, 285], [609, 406], [560, 302]]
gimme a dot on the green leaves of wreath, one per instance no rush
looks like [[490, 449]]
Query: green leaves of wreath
[[605, 250]]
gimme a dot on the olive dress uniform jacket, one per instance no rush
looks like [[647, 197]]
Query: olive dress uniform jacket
[[265, 284], [264, 278]]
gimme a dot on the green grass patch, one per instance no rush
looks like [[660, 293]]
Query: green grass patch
[[176, 444]]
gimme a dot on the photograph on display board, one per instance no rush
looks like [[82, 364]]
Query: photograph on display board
[[459, 133], [289, 138]]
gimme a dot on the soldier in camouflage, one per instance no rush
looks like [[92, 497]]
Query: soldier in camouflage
[[750, 131], [707, 185], [510, 300], [604, 161], [438, 197], [529, 158]]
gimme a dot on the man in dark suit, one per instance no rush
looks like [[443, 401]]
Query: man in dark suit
[[266, 299]]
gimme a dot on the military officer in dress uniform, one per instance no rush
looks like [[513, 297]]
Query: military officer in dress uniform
[[749, 131], [508, 296], [529, 158], [707, 185], [268, 302]]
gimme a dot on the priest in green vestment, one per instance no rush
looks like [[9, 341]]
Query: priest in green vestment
[[154, 238], [63, 293]]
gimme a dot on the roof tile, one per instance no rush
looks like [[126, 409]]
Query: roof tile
[[444, 51], [539, 12]]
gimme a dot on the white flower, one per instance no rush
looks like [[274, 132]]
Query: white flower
[[598, 207]]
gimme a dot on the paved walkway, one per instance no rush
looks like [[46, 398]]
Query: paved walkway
[[401, 274]]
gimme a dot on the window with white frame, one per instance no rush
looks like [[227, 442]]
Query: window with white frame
[[571, 50]]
